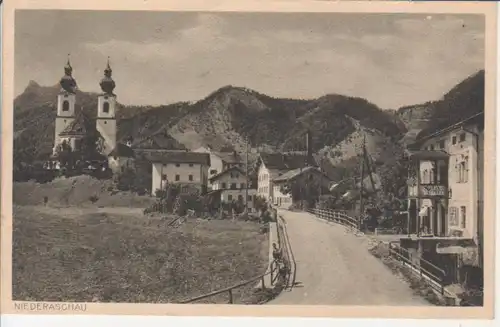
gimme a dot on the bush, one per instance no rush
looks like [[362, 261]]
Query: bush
[[93, 198]]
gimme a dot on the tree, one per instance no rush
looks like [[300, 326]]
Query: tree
[[64, 154]]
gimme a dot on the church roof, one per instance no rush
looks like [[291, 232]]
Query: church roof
[[78, 127]]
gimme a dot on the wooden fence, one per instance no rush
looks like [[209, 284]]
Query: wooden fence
[[426, 270], [336, 217], [273, 270]]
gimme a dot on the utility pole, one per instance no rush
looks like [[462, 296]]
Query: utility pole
[[246, 174]]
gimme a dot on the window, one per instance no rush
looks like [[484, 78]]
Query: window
[[454, 140], [65, 106], [164, 177], [236, 175], [462, 169], [105, 122], [213, 171], [249, 198], [442, 144], [425, 177], [240, 197], [122, 169], [463, 217], [233, 186], [191, 178], [431, 147], [177, 165], [223, 185], [243, 185], [230, 197], [453, 216], [105, 107], [463, 137], [177, 178], [190, 165]]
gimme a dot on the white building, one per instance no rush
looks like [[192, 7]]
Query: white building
[[446, 195], [75, 128], [221, 161], [232, 185], [180, 167], [272, 165]]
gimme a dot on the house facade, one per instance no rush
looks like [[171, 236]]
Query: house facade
[[445, 194], [221, 161], [231, 185], [303, 176], [273, 165], [179, 167]]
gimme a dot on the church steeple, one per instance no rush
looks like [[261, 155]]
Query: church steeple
[[107, 83], [67, 82]]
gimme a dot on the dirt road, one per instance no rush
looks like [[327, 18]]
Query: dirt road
[[335, 268]]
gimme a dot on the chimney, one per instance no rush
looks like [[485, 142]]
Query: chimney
[[309, 148]]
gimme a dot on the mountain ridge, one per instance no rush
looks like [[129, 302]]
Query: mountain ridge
[[230, 115]]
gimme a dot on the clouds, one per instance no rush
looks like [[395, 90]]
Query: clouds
[[391, 60]]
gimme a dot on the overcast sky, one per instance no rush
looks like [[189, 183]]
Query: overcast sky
[[157, 58]]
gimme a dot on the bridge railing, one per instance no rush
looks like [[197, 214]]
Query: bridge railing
[[426, 270], [336, 217], [273, 270], [286, 247]]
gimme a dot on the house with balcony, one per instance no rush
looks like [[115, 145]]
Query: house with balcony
[[445, 196], [231, 185]]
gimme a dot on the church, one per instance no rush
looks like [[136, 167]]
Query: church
[[93, 138]]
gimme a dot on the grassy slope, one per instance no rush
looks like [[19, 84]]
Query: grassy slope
[[108, 257]]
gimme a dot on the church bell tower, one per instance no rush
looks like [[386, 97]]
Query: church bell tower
[[66, 100], [106, 111]]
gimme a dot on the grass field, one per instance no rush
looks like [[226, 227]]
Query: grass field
[[121, 256]]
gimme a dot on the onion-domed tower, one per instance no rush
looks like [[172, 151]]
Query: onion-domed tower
[[66, 101], [106, 115]]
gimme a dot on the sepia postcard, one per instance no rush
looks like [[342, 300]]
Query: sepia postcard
[[249, 158]]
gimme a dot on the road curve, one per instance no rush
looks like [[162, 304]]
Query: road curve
[[335, 268]]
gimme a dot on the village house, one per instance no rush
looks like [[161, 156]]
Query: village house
[[180, 167], [221, 160], [302, 176], [445, 192], [272, 165], [231, 185]]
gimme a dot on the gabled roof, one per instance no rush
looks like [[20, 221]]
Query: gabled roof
[[122, 150], [284, 161], [229, 157], [429, 133], [78, 127], [157, 142], [226, 172], [294, 173], [175, 156]]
